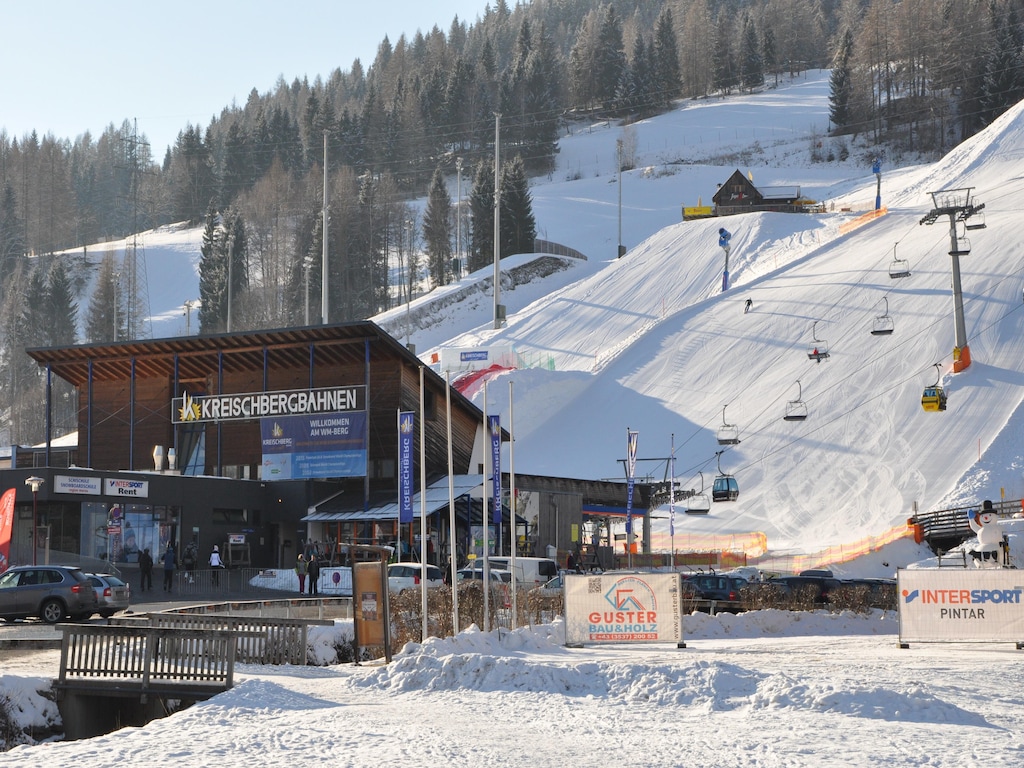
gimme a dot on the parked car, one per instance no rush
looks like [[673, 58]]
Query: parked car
[[814, 588], [497, 575], [51, 592], [530, 571], [403, 576], [112, 594], [551, 588], [878, 593], [711, 586]]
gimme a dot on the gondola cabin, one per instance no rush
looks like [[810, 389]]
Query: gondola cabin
[[725, 489], [933, 399]]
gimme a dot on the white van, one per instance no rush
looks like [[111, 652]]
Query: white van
[[530, 571]]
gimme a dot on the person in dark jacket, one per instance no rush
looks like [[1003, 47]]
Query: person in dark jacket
[[313, 573], [146, 569], [170, 561]]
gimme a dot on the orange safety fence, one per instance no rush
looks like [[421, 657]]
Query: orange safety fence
[[754, 546], [861, 220]]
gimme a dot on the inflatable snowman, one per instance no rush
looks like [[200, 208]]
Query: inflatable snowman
[[989, 536]]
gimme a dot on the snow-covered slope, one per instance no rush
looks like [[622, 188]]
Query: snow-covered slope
[[650, 342]]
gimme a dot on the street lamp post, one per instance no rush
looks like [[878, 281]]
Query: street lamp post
[[35, 483]]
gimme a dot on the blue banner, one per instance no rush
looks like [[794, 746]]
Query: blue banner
[[320, 445], [406, 427], [494, 423], [631, 438]]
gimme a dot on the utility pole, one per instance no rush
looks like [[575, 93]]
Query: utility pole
[[188, 316], [458, 215], [618, 165], [326, 229], [499, 311], [957, 204]]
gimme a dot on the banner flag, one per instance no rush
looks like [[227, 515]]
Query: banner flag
[[6, 527], [406, 427], [631, 438], [672, 493], [494, 423]]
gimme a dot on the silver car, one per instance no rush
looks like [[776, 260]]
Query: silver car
[[51, 592], [112, 594]]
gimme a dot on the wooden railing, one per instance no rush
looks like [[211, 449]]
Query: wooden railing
[[260, 640], [145, 660]]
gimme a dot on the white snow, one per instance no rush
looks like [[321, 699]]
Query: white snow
[[650, 342]]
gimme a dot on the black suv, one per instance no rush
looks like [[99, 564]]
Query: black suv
[[721, 589], [51, 592], [816, 589]]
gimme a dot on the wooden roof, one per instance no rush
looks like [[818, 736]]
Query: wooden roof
[[200, 356]]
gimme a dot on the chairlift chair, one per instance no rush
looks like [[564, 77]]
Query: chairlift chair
[[796, 410], [818, 351], [725, 487], [883, 324], [963, 245], [976, 221], [698, 503], [934, 397], [899, 267], [728, 434]]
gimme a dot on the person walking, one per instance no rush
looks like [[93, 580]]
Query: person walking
[[170, 562], [216, 564], [146, 570], [314, 575], [301, 569]]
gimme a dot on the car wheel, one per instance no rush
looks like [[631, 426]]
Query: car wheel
[[52, 611]]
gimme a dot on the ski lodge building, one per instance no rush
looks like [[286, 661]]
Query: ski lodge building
[[268, 443]]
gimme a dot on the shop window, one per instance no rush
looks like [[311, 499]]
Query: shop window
[[227, 516]]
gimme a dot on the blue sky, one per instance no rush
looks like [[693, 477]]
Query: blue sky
[[74, 67]]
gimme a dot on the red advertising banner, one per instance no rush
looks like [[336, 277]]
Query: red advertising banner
[[6, 528]]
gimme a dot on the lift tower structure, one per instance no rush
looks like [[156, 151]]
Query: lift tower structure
[[958, 206]]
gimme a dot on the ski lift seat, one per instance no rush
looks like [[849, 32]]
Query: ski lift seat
[[796, 410], [899, 268], [818, 352], [698, 504], [882, 326], [728, 434], [962, 247]]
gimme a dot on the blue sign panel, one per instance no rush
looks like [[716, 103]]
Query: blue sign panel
[[321, 445], [406, 426]]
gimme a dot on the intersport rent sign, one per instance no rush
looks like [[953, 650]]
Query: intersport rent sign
[[960, 605]]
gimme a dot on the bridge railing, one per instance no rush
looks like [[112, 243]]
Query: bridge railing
[[146, 660]]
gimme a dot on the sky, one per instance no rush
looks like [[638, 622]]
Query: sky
[[651, 343], [81, 67]]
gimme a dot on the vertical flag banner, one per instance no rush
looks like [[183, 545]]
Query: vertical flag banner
[[6, 527], [672, 495], [406, 427], [494, 424], [631, 438]]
